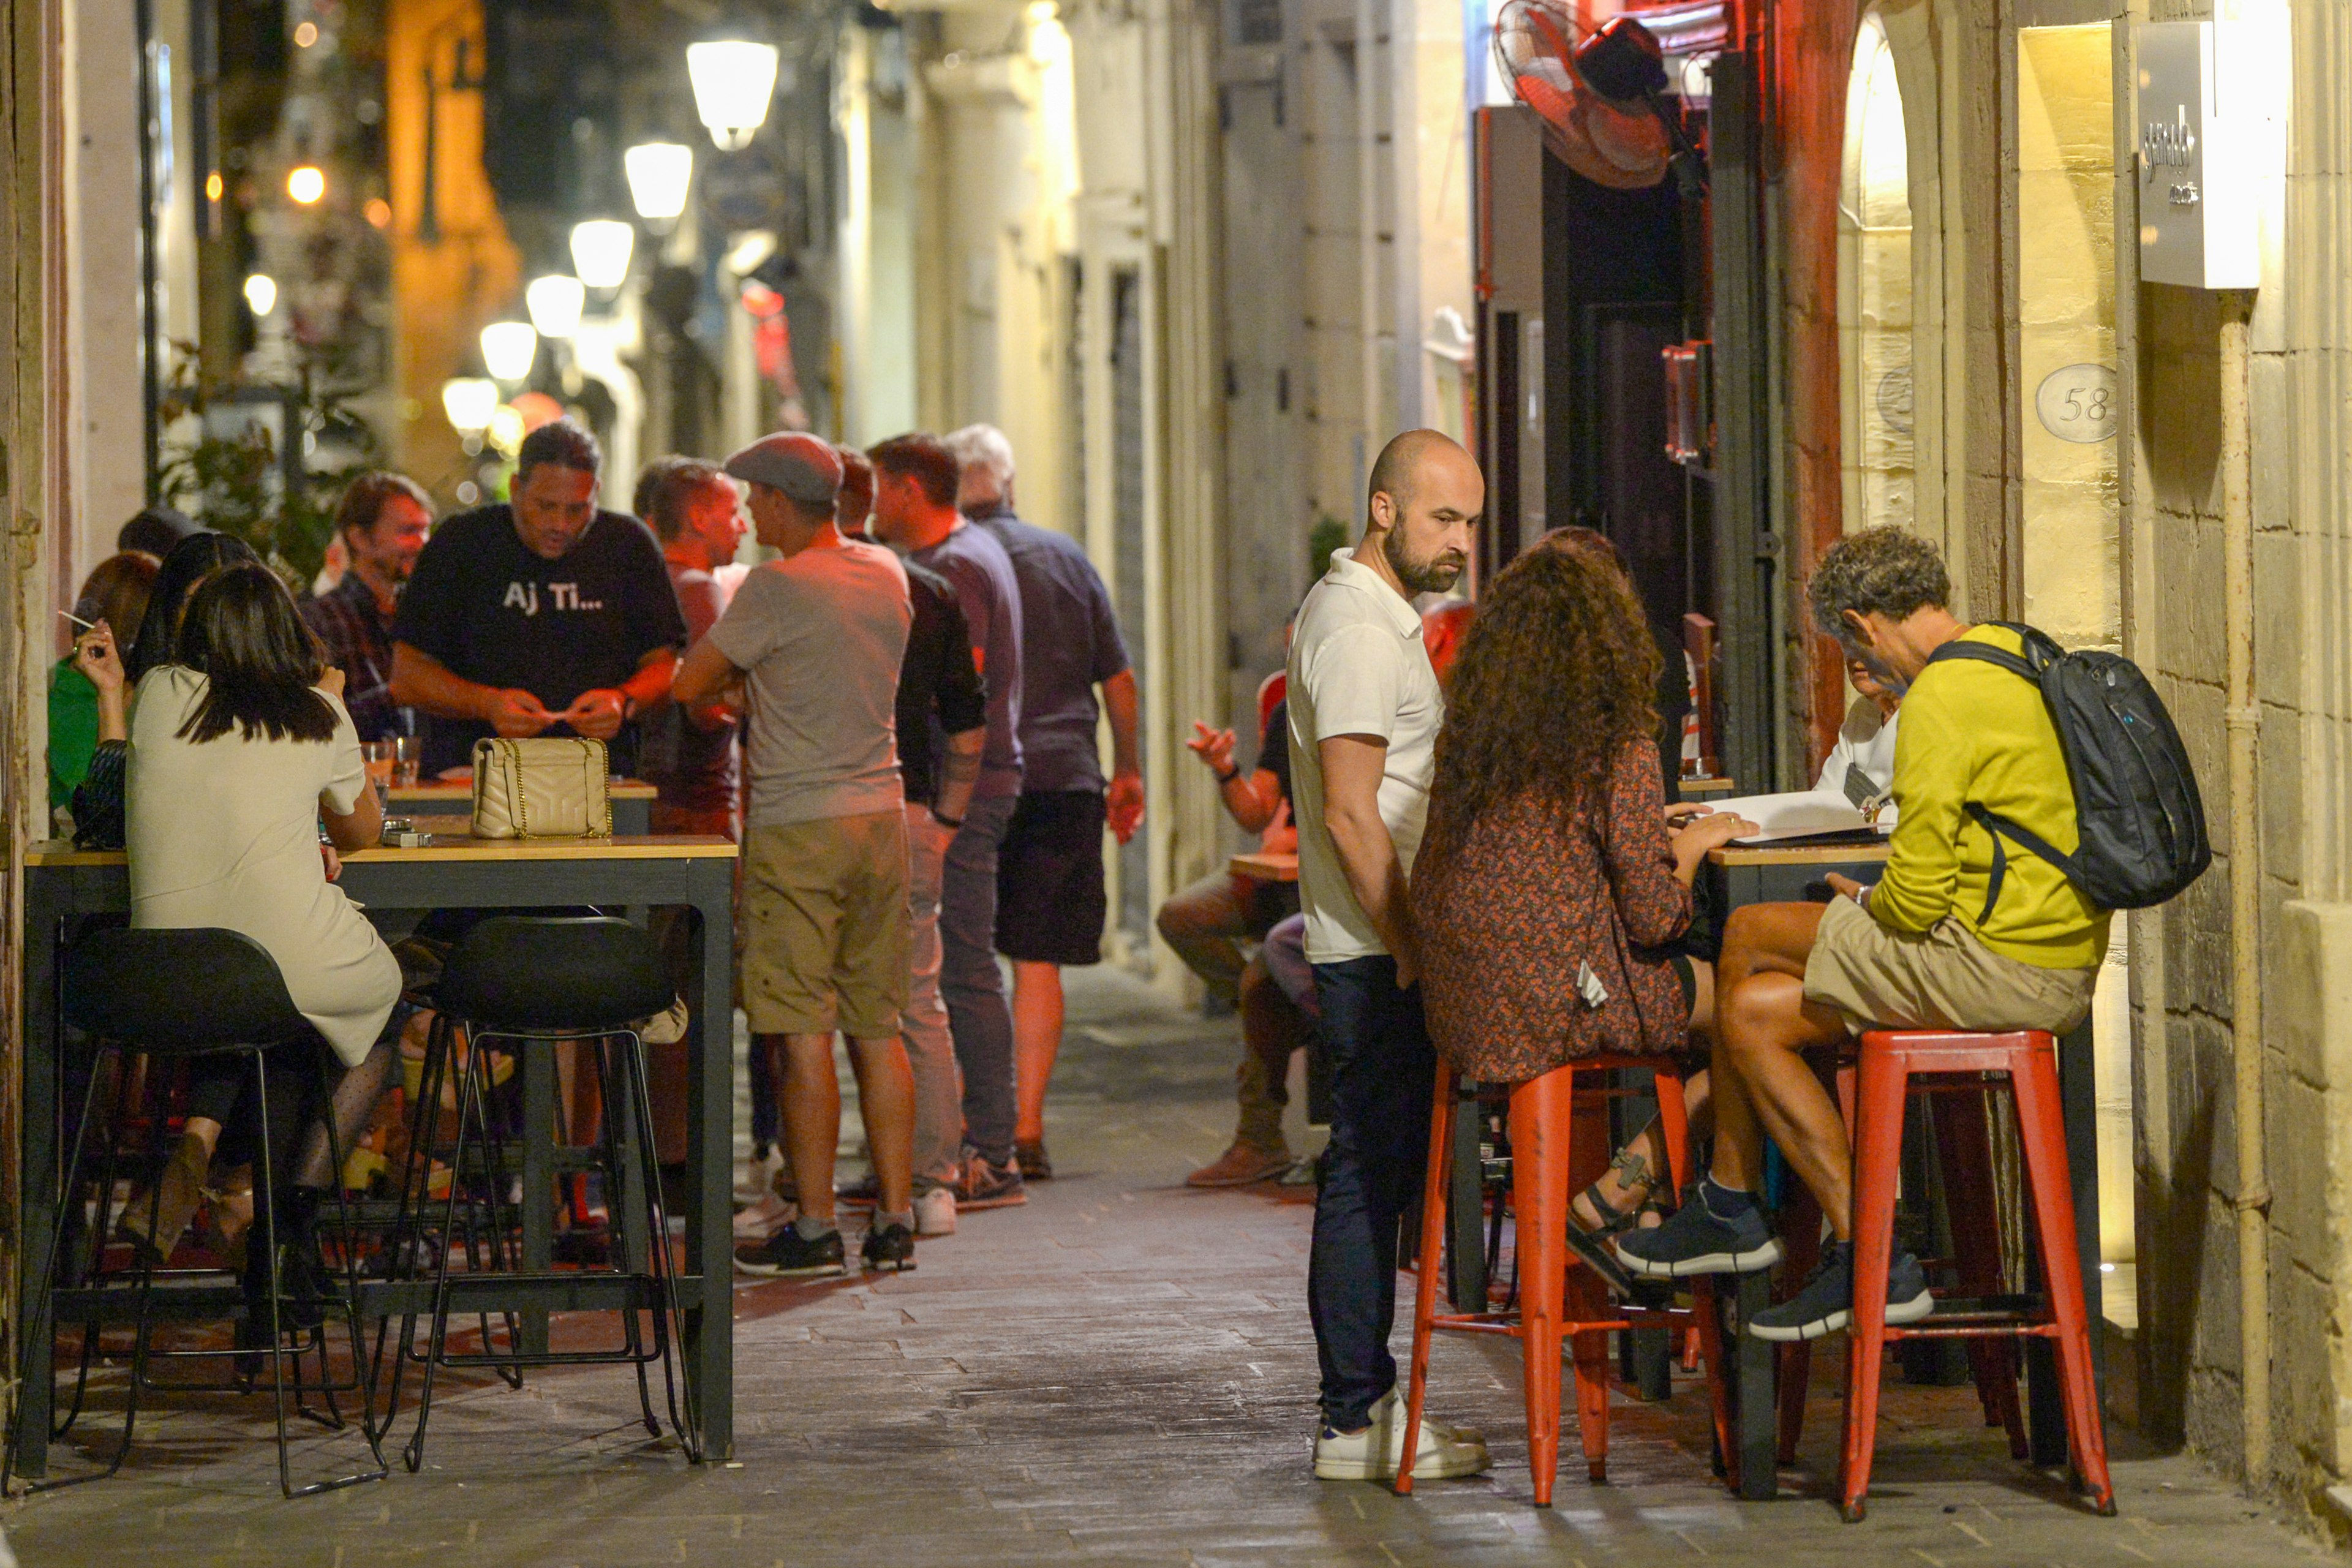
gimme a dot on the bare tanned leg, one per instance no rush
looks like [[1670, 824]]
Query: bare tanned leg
[[1762, 1081]]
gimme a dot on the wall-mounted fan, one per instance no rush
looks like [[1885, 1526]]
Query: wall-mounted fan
[[1598, 93], [1610, 142]]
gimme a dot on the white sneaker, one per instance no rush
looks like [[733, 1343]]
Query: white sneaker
[[1391, 1410], [759, 1178], [1372, 1454], [763, 1218], [935, 1212]]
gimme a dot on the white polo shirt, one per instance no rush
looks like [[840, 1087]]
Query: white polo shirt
[[1357, 666]]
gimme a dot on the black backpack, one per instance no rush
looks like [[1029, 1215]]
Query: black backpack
[[2140, 821]]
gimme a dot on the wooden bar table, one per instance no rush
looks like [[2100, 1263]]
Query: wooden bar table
[[1267, 865], [633, 802], [62, 885]]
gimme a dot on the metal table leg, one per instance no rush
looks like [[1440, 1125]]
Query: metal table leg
[[709, 1349]]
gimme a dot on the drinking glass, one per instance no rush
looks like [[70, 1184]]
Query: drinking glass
[[407, 760], [379, 757]]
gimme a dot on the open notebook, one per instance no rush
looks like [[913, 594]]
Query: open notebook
[[1807, 814]]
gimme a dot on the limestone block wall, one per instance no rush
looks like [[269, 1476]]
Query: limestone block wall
[[2191, 1362]]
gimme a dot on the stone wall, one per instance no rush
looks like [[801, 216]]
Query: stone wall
[[2192, 1366]]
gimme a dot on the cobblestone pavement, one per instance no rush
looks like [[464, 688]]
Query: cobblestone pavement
[[1120, 1371]]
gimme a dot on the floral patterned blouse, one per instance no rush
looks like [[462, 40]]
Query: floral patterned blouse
[[1508, 917]]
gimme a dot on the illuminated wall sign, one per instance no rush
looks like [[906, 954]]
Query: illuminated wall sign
[[2200, 112]]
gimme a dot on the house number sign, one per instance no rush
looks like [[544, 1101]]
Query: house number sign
[[2077, 402]]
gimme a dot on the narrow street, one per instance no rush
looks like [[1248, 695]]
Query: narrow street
[[1120, 1371]]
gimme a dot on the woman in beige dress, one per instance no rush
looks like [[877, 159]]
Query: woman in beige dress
[[240, 748]]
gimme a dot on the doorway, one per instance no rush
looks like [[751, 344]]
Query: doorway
[[1878, 452]]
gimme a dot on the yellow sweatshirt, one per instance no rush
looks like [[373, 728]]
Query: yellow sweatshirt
[[1972, 731]]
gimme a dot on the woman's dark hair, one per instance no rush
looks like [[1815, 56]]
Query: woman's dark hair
[[116, 592], [191, 560], [243, 633], [1557, 675]]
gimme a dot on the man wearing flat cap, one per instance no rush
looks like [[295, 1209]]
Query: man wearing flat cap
[[817, 636]]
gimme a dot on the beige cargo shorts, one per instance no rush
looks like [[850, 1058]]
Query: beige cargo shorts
[[1945, 980]]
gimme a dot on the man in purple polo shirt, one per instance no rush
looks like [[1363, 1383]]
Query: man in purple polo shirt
[[1050, 901]]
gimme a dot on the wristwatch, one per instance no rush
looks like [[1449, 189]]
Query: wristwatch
[[1228, 776]]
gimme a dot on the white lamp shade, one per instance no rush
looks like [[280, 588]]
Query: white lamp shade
[[601, 250], [469, 401], [659, 174], [509, 348], [260, 294], [732, 84], [555, 302]]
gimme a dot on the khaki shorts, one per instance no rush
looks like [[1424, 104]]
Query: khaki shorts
[[825, 923], [1944, 980]]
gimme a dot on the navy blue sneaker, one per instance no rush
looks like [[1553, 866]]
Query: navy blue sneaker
[[1696, 1240], [1825, 1304], [791, 1255]]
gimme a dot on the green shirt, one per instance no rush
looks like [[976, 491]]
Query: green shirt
[[73, 730]]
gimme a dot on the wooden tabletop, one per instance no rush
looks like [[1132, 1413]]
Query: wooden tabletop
[[1691, 787], [649, 847], [1798, 854], [1266, 866], [619, 789]]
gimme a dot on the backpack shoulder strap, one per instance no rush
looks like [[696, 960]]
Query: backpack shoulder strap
[[2016, 665], [2000, 827]]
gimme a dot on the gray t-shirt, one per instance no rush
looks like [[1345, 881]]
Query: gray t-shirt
[[1069, 644], [990, 597], [821, 634]]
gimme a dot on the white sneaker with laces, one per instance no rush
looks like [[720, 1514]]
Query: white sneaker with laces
[[935, 1212], [1374, 1454], [1391, 1408], [764, 1219]]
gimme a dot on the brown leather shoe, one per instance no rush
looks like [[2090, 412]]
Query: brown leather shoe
[[1239, 1166]]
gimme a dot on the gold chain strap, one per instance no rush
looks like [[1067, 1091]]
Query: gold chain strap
[[512, 754]]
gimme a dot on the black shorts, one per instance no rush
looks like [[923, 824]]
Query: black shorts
[[1050, 902]]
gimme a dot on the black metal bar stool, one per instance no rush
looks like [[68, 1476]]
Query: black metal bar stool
[[523, 983], [182, 995]]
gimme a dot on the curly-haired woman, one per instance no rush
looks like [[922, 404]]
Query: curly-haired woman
[[1549, 862]]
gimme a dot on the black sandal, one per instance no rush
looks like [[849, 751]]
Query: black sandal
[[1593, 1248]]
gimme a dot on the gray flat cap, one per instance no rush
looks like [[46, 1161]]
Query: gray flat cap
[[805, 469]]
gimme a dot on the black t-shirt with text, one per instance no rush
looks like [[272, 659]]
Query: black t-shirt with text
[[485, 605]]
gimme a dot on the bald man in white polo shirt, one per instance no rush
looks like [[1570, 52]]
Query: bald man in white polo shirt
[[1364, 714]]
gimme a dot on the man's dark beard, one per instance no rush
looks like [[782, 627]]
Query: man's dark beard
[[1418, 576]]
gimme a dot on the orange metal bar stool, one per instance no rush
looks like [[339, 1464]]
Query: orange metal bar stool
[[1892, 1064], [1541, 1115], [1963, 1141]]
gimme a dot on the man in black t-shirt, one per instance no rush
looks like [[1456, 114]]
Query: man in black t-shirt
[[547, 614]]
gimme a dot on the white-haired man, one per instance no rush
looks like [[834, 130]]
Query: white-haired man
[[1051, 904]]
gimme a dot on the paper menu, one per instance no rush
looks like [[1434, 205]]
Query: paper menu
[[1803, 814]]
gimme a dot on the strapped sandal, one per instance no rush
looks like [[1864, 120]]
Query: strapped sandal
[[1591, 1245]]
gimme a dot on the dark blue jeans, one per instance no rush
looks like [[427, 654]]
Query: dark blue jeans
[[1382, 1073]]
